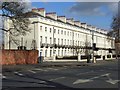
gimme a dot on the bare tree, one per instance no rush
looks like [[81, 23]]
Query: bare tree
[[115, 32], [18, 14], [116, 28]]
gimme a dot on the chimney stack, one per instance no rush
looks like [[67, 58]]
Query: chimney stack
[[40, 11], [52, 15], [62, 18], [70, 21], [77, 23]]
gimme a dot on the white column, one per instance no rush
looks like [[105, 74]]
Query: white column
[[111, 56], [79, 57]]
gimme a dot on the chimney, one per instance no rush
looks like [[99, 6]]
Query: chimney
[[89, 27], [97, 29], [52, 15], [40, 11], [62, 18], [70, 21], [94, 28], [84, 25], [77, 23]]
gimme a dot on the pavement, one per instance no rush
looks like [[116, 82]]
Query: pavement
[[9, 68]]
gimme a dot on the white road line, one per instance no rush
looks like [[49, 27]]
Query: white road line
[[2, 76], [20, 74], [90, 79], [84, 73], [38, 69], [112, 81], [31, 71], [82, 81], [56, 78]]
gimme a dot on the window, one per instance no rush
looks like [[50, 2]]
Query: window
[[54, 40], [58, 41], [68, 33], [46, 40], [65, 41], [58, 31], [46, 53], [61, 31], [58, 52], [46, 29], [50, 40], [40, 27], [40, 39], [62, 52], [76, 42], [54, 30], [68, 42], [65, 52], [78, 35], [50, 53], [64, 32], [50, 30], [62, 41]]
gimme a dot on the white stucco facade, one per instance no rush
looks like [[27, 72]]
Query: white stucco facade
[[49, 30]]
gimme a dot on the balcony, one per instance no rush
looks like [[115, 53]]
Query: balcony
[[45, 45]]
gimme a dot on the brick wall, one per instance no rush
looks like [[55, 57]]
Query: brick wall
[[19, 57]]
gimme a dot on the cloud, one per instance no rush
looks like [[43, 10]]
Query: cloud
[[93, 8]]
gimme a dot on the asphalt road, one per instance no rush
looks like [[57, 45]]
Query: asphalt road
[[63, 78]]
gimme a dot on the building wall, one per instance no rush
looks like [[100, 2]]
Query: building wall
[[49, 32]]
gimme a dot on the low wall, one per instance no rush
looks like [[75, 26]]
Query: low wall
[[19, 57]]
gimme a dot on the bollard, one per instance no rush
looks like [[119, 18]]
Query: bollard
[[94, 60], [40, 58]]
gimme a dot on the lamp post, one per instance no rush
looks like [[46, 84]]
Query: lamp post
[[93, 45], [40, 60], [54, 56]]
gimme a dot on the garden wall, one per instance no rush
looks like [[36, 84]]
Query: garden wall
[[19, 57]]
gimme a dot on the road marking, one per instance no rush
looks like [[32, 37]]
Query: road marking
[[82, 81], [53, 69], [20, 74], [84, 73], [90, 79], [56, 78], [2, 76], [38, 69], [31, 71], [112, 81]]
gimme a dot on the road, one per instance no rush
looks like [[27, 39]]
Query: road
[[63, 78]]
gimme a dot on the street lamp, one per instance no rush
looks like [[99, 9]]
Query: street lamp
[[54, 56], [93, 47]]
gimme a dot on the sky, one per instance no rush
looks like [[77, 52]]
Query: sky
[[98, 14]]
